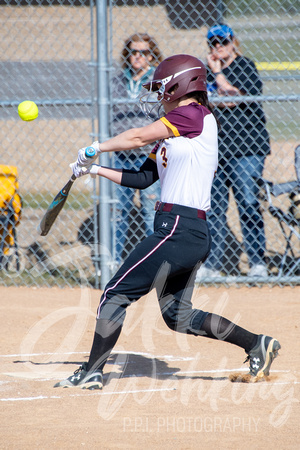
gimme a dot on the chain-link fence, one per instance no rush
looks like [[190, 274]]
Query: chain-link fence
[[54, 53]]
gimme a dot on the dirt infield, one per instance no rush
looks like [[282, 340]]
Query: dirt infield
[[162, 390]]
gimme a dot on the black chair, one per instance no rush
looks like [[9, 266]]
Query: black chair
[[289, 220]]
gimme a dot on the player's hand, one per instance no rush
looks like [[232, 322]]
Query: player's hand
[[79, 171], [84, 160]]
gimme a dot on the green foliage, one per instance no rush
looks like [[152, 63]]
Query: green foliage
[[47, 279], [250, 7]]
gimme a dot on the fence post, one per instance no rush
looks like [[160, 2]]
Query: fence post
[[103, 132]]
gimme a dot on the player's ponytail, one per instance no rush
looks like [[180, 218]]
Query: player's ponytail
[[202, 98]]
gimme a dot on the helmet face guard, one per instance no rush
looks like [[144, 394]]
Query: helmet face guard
[[151, 101], [174, 77], [151, 105]]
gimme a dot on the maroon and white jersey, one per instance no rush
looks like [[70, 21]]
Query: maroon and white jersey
[[187, 162]]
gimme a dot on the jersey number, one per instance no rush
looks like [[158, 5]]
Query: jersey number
[[163, 153]]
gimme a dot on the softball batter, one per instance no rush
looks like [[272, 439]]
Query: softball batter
[[184, 160]]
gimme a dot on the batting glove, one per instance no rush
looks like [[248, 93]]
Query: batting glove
[[79, 171], [84, 160]]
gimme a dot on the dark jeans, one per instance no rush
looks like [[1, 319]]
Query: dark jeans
[[238, 174]]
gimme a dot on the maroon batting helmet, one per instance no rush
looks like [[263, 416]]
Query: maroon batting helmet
[[177, 76]]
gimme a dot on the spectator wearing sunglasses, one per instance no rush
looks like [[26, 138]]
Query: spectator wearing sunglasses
[[243, 147], [139, 58]]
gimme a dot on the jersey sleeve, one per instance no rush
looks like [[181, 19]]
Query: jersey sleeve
[[186, 120]]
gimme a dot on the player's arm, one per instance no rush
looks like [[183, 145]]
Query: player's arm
[[137, 137], [138, 179], [142, 178], [128, 140]]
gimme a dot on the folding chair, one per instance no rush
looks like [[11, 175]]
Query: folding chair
[[10, 215], [288, 220]]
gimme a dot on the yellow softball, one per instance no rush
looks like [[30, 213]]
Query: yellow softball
[[28, 110]]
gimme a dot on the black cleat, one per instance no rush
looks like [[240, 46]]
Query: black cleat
[[83, 379], [262, 356]]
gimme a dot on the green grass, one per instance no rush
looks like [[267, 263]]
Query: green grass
[[279, 128], [267, 50], [242, 7], [42, 200], [26, 278]]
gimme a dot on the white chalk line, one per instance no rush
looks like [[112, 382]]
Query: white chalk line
[[19, 355], [41, 397], [240, 369], [120, 352], [84, 394], [137, 391], [41, 377], [45, 377]]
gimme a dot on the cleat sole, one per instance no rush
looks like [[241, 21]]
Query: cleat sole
[[271, 354], [92, 386]]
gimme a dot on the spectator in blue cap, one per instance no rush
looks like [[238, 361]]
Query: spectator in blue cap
[[220, 31], [243, 147]]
